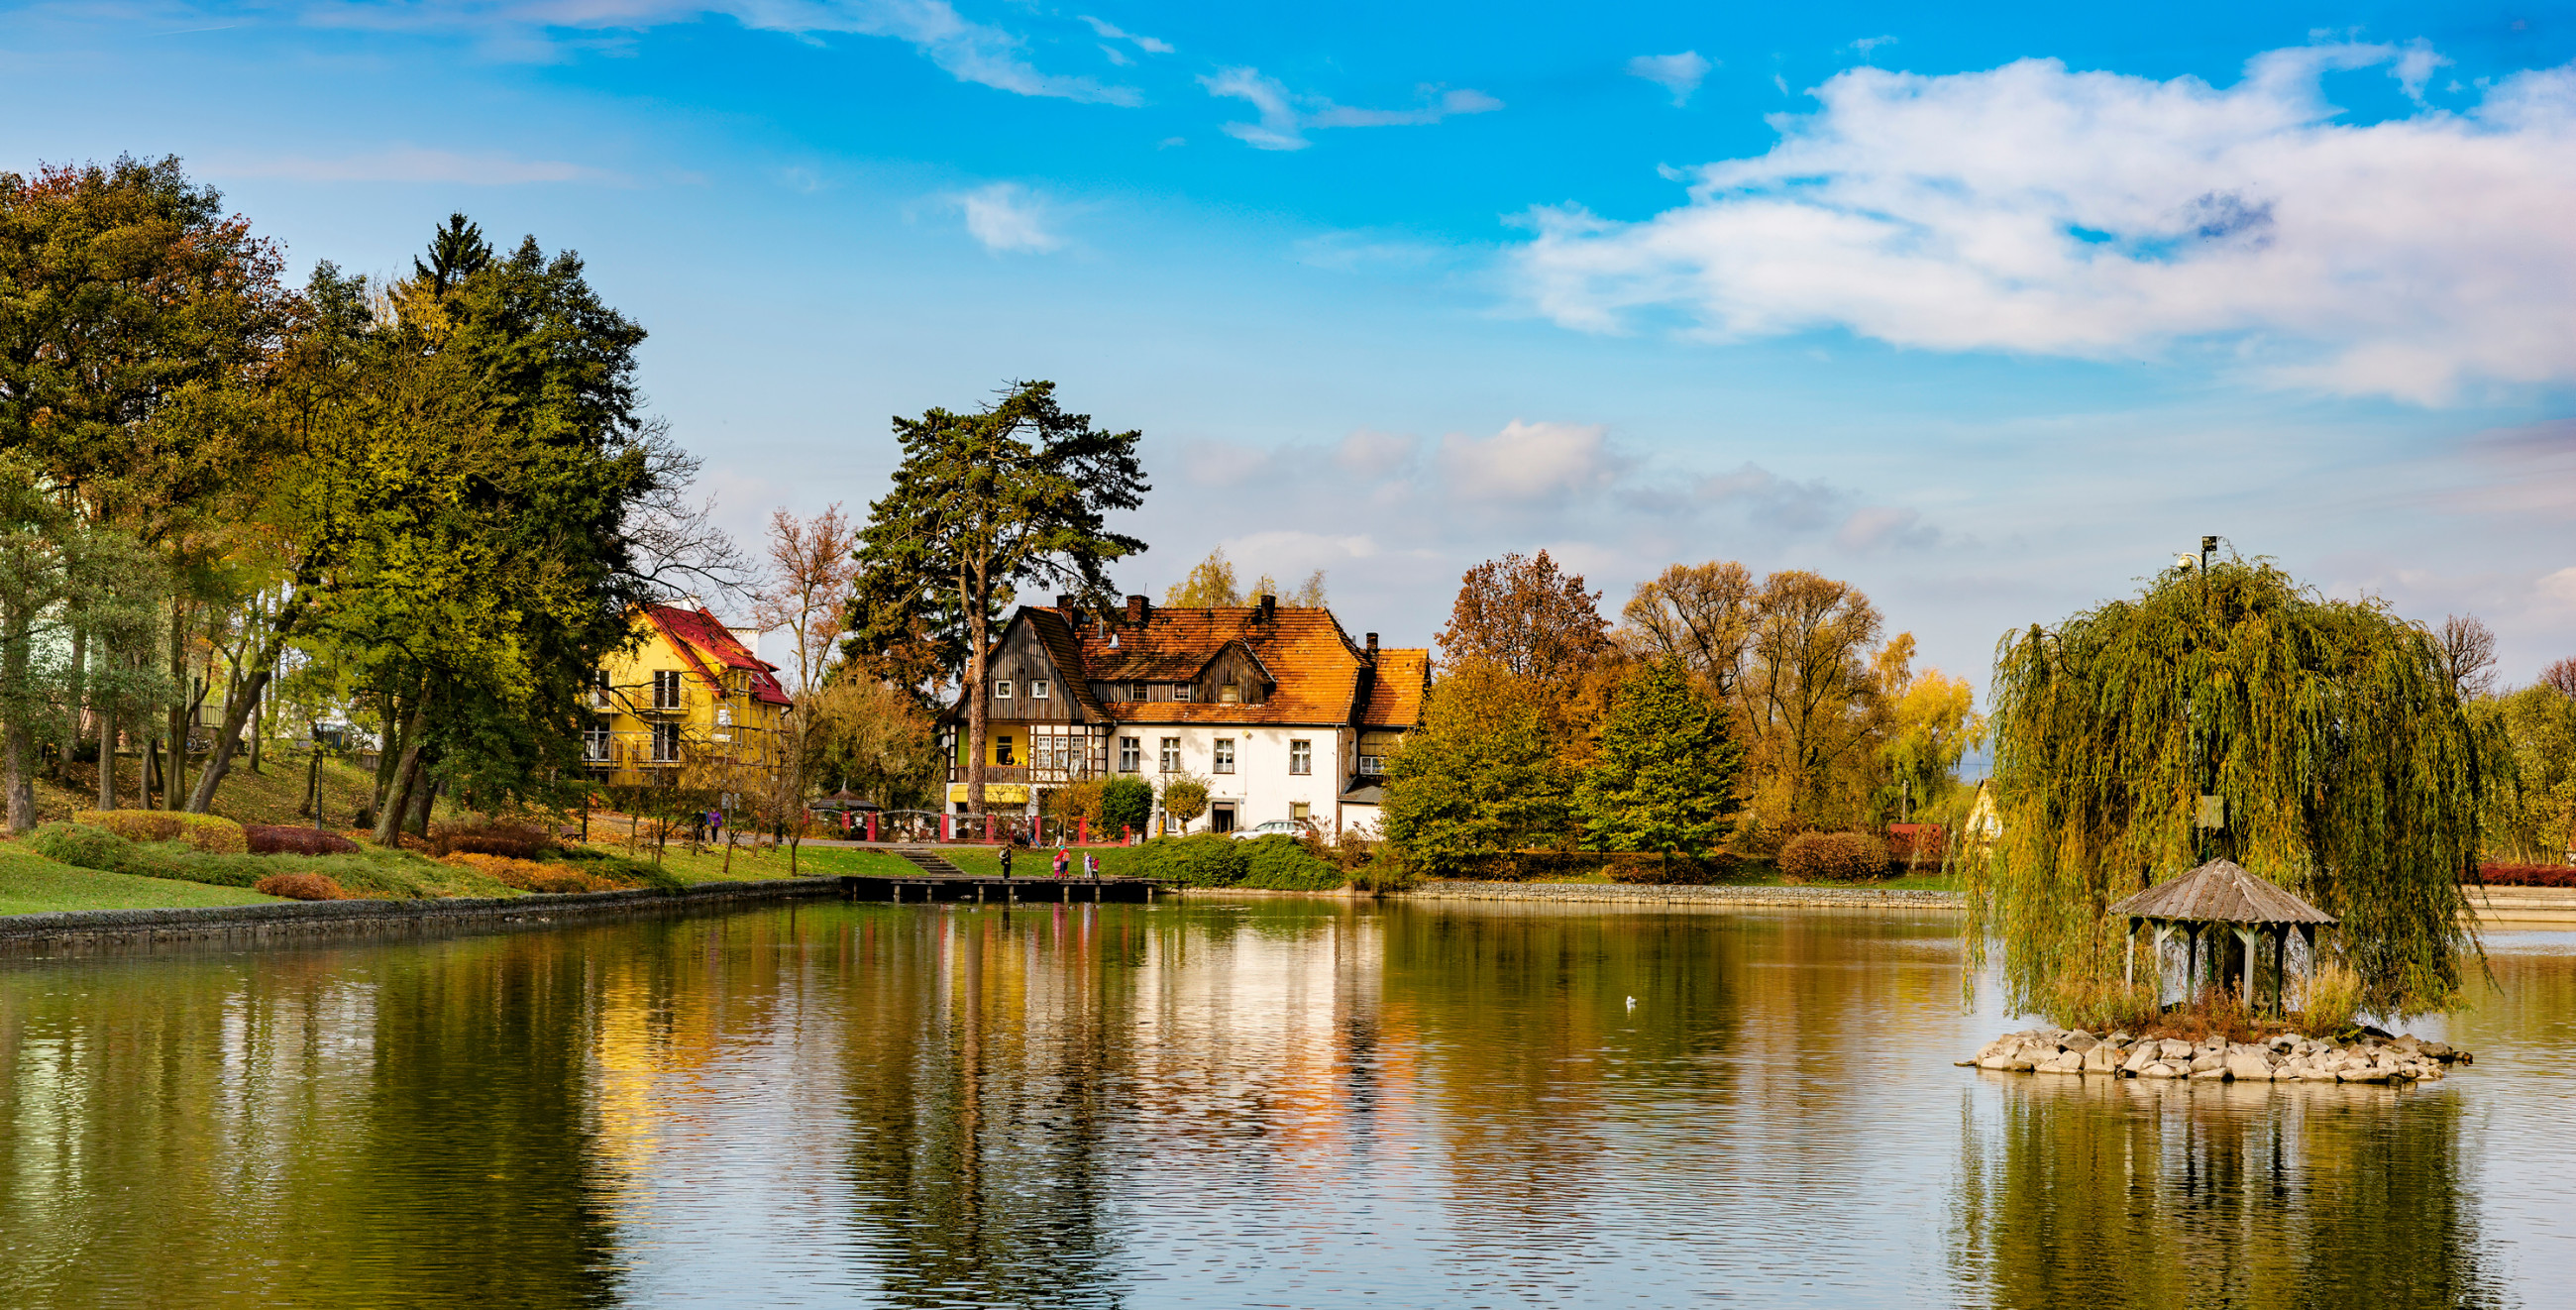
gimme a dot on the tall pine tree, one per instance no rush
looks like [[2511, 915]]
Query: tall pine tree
[[1663, 776]]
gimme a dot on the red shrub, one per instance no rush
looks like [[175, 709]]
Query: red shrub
[[1833, 857], [300, 887], [510, 840], [282, 839], [2527, 875]]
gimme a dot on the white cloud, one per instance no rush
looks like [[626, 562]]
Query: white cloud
[[1147, 44], [2558, 590], [1526, 463], [1679, 74], [1373, 454], [968, 51], [1006, 218], [2097, 215], [413, 164], [1286, 117]]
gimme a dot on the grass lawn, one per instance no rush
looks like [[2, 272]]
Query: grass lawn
[[271, 796], [708, 865], [32, 884], [1026, 862]]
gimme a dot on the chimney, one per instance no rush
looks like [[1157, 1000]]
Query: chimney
[[1269, 608], [1138, 608], [1064, 602], [1372, 640]]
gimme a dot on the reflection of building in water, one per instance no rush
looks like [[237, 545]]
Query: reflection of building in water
[[2083, 1190]]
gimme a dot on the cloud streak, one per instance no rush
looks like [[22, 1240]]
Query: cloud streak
[[2094, 215], [966, 50], [1007, 219], [1286, 117], [1679, 74]]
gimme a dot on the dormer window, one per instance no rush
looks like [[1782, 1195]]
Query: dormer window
[[1181, 691], [1039, 689], [1001, 689]]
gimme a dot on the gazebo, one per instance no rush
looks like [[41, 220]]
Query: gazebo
[[2222, 895]]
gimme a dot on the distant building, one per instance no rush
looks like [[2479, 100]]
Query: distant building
[[690, 692], [1282, 714]]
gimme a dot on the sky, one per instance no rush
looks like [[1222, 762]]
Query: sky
[[1990, 310]]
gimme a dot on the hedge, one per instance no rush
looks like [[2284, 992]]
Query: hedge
[[2527, 875], [1276, 863], [205, 832]]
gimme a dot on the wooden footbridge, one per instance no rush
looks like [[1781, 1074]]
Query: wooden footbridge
[[939, 880]]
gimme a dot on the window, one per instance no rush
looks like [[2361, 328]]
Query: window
[[1001, 689], [594, 744], [1137, 692], [666, 743], [1002, 749], [1171, 755], [1038, 689], [666, 689], [1131, 754], [1301, 811], [1301, 757], [1372, 764], [1229, 694], [1181, 691], [1225, 754]]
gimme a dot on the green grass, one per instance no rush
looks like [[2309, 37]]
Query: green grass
[[32, 884], [271, 796], [986, 861], [708, 865]]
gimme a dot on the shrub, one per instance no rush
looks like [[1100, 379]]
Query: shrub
[[2331, 1000], [205, 832], [2527, 875], [1283, 863], [1126, 802], [82, 846], [300, 887], [284, 839], [1833, 857], [532, 876], [1206, 860], [484, 836]]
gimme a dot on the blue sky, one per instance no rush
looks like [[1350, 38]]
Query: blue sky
[[1990, 311]]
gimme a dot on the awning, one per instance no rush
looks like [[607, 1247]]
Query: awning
[[1009, 793]]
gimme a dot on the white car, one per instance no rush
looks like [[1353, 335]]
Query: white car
[[1274, 828]]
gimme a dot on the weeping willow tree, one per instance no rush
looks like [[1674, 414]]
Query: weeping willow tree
[[2345, 765]]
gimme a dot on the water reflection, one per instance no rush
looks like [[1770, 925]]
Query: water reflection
[[1313, 1103], [2093, 1191]]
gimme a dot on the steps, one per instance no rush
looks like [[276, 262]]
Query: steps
[[931, 862]]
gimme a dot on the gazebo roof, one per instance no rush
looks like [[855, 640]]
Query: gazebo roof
[[2220, 892]]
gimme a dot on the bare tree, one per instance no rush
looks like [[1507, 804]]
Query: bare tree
[[812, 563], [2561, 677], [677, 549], [1700, 614], [2468, 654]]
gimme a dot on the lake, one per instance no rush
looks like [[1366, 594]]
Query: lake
[[1280, 1102]]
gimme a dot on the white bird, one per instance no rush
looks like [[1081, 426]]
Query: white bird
[[1632, 1002]]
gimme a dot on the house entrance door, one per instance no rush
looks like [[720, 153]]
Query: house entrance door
[[1221, 817]]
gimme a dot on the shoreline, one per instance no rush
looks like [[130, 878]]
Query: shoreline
[[1806, 895], [379, 918]]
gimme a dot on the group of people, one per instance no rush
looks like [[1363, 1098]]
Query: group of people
[[1063, 862]]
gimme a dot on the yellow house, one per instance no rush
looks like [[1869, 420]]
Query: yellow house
[[689, 698]]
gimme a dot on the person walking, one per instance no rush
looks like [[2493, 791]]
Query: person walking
[[1091, 865], [1061, 860], [1006, 861]]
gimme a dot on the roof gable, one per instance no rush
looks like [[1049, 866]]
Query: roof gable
[[708, 645], [2220, 891]]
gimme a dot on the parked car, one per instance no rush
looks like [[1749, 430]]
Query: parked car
[[1275, 828]]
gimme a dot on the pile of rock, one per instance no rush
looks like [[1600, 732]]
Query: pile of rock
[[2287, 1057]]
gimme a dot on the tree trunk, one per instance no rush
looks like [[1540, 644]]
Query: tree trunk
[[389, 812], [72, 708], [182, 715], [258, 720], [237, 708], [147, 778], [428, 797], [16, 782], [107, 757], [397, 739]]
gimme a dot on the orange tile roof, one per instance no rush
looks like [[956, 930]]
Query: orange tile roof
[[1319, 675], [1396, 688]]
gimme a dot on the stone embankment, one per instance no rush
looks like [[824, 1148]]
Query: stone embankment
[[1614, 893], [2288, 1057]]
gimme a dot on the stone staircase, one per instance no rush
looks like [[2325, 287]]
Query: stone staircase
[[930, 862]]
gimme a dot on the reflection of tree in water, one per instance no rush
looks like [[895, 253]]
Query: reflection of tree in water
[[980, 1108], [2098, 1192]]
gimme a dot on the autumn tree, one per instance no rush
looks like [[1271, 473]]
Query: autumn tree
[[1210, 584], [1015, 494], [1479, 780], [1703, 615], [1528, 619], [1929, 722], [2468, 653], [1808, 692], [1663, 775]]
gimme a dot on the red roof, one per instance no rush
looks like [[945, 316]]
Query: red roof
[[703, 640], [1318, 674]]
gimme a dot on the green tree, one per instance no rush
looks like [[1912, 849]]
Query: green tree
[[1126, 804], [2330, 732], [1479, 781], [1210, 584], [1663, 774], [1015, 494], [2532, 817]]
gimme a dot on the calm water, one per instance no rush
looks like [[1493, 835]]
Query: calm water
[[1284, 1103]]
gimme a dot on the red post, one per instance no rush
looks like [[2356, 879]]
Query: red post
[[943, 827], [1126, 834], [1082, 831], [988, 827], [872, 826]]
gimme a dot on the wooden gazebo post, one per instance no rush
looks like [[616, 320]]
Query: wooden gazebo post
[[2219, 894]]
